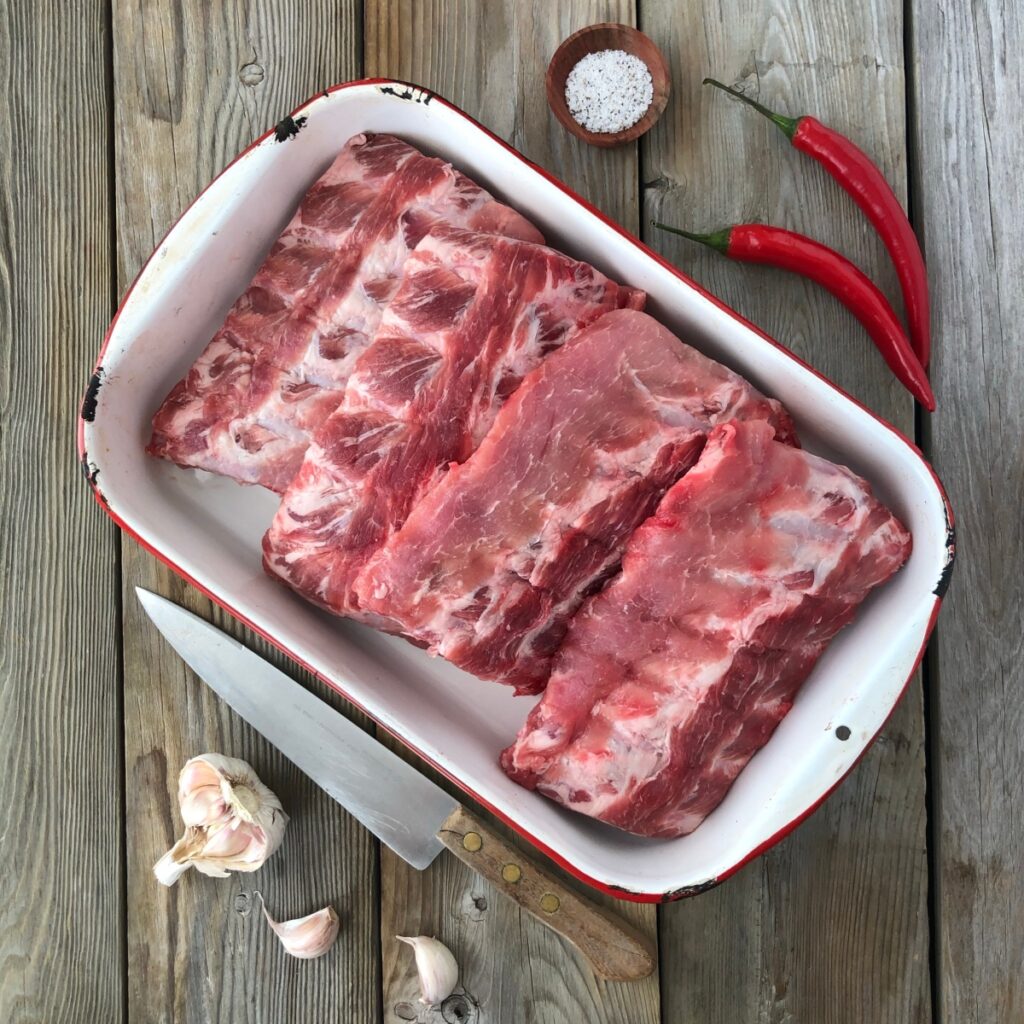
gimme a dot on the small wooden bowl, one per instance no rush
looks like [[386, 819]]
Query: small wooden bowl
[[592, 39]]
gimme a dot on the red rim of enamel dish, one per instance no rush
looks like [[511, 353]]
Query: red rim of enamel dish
[[620, 893]]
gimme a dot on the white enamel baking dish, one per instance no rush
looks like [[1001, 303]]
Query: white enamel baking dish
[[208, 529]]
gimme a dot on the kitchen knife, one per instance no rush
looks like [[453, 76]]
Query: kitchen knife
[[398, 804]]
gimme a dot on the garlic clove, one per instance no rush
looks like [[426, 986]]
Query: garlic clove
[[236, 847], [196, 773], [236, 840], [306, 937], [437, 968], [233, 822], [231, 848], [203, 805]]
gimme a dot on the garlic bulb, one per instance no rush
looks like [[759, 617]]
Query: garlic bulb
[[306, 937], [436, 966], [232, 821]]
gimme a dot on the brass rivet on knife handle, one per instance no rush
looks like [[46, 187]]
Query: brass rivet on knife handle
[[615, 949], [511, 872], [549, 903]]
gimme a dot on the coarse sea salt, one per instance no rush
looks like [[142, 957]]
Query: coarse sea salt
[[609, 91]]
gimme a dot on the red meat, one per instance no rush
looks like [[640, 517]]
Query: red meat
[[474, 313], [279, 364], [491, 564], [674, 676]]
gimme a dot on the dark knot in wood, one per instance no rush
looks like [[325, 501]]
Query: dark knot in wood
[[457, 1009]]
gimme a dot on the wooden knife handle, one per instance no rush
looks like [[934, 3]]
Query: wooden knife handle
[[616, 951]]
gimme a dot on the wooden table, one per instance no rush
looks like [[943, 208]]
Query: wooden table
[[901, 900]]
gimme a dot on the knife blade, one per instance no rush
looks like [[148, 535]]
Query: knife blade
[[398, 804]]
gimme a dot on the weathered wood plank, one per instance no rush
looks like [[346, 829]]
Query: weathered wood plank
[[832, 925], [490, 59], [194, 83], [60, 778], [969, 148]]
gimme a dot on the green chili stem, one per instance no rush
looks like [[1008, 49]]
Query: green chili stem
[[717, 240], [788, 125]]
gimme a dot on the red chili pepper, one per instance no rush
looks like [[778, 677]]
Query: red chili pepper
[[760, 243], [853, 169]]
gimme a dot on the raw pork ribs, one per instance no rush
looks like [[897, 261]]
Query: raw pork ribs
[[672, 678], [473, 314], [491, 564], [278, 365], [472, 433]]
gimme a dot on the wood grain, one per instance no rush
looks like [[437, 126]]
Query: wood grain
[[60, 830], [490, 59], [195, 82], [969, 142], [832, 925]]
